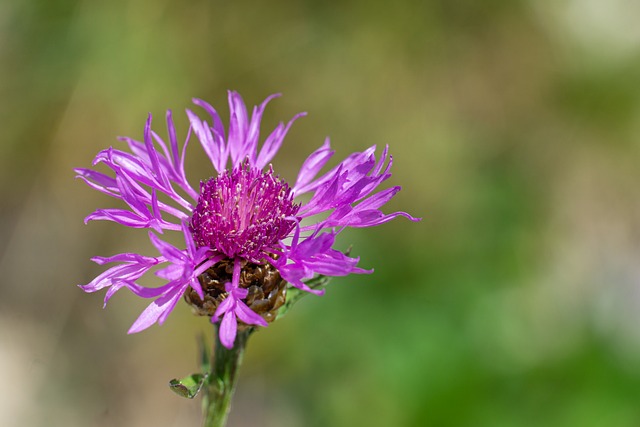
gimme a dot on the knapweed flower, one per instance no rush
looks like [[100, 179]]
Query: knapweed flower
[[247, 235]]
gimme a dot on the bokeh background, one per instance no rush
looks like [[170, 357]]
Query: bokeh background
[[515, 130]]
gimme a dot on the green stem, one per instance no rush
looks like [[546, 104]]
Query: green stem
[[221, 383]]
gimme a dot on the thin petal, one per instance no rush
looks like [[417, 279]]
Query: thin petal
[[237, 128], [228, 329], [167, 250], [157, 309], [212, 145], [312, 166], [125, 257], [224, 307], [98, 181], [215, 117], [173, 143], [254, 128], [248, 316], [274, 141]]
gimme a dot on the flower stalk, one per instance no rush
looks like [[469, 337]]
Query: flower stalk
[[221, 382]]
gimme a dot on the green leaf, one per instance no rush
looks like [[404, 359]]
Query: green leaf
[[188, 386]]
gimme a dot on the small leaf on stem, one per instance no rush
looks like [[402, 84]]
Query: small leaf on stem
[[188, 386]]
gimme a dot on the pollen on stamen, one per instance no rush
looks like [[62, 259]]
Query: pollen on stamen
[[243, 213]]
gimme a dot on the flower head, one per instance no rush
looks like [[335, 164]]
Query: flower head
[[246, 237]]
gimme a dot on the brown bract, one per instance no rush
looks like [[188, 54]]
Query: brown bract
[[267, 290]]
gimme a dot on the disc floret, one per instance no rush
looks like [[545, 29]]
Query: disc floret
[[243, 212]]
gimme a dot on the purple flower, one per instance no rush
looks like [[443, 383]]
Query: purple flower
[[243, 215]]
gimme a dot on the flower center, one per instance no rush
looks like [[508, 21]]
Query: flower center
[[243, 213], [267, 291]]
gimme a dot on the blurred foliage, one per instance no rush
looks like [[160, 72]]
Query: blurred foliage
[[514, 130]]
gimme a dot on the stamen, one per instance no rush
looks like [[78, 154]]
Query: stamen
[[243, 213]]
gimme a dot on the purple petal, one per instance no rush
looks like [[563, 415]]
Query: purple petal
[[144, 292], [120, 216], [238, 293], [125, 257], [224, 307], [237, 128], [171, 305], [314, 245], [373, 218], [114, 275], [188, 239], [335, 264], [171, 272], [274, 141], [312, 166], [247, 315], [168, 251], [347, 164], [235, 279], [254, 128], [98, 181], [378, 199], [158, 310], [201, 254], [228, 329], [212, 145], [136, 195], [294, 276], [215, 117], [153, 155], [173, 142], [325, 197]]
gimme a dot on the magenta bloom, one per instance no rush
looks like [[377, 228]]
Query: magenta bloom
[[244, 215]]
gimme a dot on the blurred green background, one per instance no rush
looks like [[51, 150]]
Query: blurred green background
[[515, 132]]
